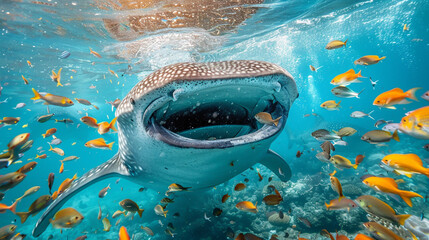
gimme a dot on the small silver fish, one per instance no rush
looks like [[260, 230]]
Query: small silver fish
[[340, 142], [345, 92], [359, 114], [391, 127], [380, 122], [19, 105], [55, 141]]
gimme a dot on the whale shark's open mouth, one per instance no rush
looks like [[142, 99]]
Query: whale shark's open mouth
[[217, 117]]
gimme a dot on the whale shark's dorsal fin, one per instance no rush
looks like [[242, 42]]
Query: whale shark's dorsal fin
[[106, 170]]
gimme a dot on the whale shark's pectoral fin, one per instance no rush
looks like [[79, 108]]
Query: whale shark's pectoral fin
[[111, 168], [277, 165]]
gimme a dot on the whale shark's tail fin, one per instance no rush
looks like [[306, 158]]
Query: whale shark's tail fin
[[106, 170], [277, 165]]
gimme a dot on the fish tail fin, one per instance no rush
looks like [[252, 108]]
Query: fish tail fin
[[411, 94], [402, 218], [37, 156], [277, 192], [140, 211], [59, 84], [36, 95], [357, 96], [407, 195], [23, 216], [110, 145], [381, 58], [44, 136], [345, 43], [395, 135], [355, 166], [359, 74], [333, 173], [112, 125], [111, 168], [327, 206], [165, 213], [12, 207], [369, 115], [50, 147], [338, 104], [276, 121]]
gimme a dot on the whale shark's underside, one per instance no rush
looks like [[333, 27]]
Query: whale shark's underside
[[193, 124]]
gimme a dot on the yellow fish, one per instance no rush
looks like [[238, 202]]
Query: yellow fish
[[56, 77], [406, 28], [51, 99], [416, 123], [405, 164], [335, 44], [368, 60], [347, 78], [25, 80], [330, 105]]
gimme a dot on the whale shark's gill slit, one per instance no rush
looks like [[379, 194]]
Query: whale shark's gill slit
[[106, 170]]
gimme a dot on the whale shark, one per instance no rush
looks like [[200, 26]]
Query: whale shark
[[193, 124]]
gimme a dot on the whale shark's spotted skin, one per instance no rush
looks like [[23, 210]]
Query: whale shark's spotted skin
[[142, 156], [197, 71]]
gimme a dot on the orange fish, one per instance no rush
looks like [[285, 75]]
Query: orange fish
[[62, 167], [405, 164], [347, 78], [123, 234], [336, 185], [361, 236], [416, 123], [29, 63], [90, 121], [49, 132], [225, 197], [43, 156], [25, 80], [239, 186], [4, 207], [247, 206], [104, 127], [395, 96], [64, 185], [99, 143], [388, 185], [94, 53]]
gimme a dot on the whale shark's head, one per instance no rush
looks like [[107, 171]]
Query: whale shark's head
[[203, 106]]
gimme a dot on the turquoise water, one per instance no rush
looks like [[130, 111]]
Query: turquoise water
[[292, 34]]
